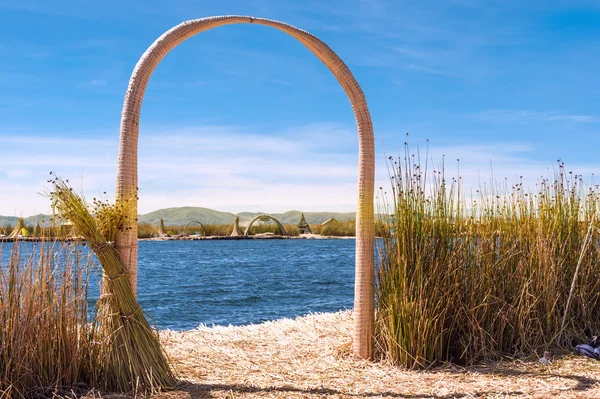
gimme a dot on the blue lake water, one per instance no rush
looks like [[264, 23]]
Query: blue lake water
[[182, 284]]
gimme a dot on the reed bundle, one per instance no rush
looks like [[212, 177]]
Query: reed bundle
[[161, 228], [132, 358]]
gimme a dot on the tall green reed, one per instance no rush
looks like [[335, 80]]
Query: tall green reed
[[465, 278]]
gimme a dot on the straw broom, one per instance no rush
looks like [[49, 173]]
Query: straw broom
[[132, 357]]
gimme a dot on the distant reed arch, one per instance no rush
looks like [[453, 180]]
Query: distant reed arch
[[127, 166], [262, 218], [194, 221]]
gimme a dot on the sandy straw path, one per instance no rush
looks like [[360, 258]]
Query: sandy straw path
[[309, 357]]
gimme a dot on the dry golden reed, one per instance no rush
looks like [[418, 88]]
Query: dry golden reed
[[48, 344]]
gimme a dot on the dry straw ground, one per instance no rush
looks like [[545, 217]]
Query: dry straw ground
[[310, 358]]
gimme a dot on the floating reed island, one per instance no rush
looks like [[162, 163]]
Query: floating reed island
[[260, 227], [193, 230]]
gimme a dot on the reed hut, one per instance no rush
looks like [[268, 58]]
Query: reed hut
[[303, 226], [328, 221], [16, 232]]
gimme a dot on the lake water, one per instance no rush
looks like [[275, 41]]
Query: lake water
[[182, 284]]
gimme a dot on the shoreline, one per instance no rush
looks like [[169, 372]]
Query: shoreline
[[193, 238], [254, 237]]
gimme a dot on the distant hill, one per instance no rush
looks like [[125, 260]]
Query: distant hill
[[181, 216], [44, 220]]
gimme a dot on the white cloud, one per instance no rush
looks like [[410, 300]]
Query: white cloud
[[230, 168], [510, 115], [309, 167]]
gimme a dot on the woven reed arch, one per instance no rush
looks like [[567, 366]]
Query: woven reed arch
[[263, 217], [127, 167], [197, 222]]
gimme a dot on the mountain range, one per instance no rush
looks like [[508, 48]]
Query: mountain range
[[183, 215]]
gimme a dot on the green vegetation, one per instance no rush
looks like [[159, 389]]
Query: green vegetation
[[466, 279]]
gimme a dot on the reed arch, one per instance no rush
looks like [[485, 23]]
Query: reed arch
[[197, 222], [127, 167], [262, 217]]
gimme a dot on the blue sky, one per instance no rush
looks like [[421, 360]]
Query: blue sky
[[243, 117]]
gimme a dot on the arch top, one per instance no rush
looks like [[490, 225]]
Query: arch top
[[262, 217], [179, 33], [194, 221], [127, 167]]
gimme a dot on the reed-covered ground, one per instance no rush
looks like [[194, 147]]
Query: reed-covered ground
[[310, 357], [469, 277]]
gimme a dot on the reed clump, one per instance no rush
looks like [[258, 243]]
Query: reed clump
[[132, 359], [479, 277], [48, 344]]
